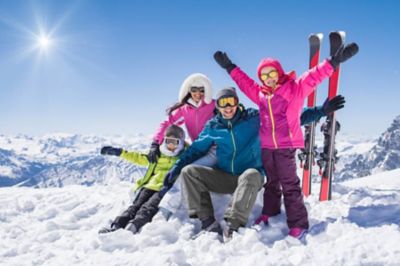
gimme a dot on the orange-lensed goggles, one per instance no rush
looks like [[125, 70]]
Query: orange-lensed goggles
[[272, 74], [227, 101]]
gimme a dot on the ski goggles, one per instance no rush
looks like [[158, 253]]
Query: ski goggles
[[197, 89], [272, 74], [227, 101], [173, 141]]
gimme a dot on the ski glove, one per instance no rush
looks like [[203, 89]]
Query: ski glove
[[333, 105], [224, 61], [343, 54], [163, 191], [154, 152], [170, 178], [108, 150]]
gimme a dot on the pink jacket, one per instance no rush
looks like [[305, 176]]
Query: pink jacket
[[280, 110], [193, 118]]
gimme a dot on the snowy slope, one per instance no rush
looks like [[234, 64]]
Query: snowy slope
[[58, 226]]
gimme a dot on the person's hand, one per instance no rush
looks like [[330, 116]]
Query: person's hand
[[154, 152], [169, 179], [224, 61], [163, 191], [108, 150], [344, 53], [333, 105]]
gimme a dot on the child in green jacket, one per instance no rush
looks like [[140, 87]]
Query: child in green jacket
[[145, 205]]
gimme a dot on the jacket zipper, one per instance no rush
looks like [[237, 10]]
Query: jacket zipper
[[234, 147], [197, 121], [272, 121]]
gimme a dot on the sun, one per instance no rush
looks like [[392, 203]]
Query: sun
[[44, 42]]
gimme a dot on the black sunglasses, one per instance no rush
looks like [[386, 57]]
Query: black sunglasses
[[197, 89]]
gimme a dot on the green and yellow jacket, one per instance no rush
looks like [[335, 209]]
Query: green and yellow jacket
[[154, 177]]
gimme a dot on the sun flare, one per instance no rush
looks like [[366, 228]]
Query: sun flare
[[44, 42]]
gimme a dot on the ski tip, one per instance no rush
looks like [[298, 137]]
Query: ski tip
[[320, 36], [339, 32]]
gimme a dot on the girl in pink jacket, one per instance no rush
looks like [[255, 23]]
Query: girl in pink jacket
[[194, 109], [280, 98]]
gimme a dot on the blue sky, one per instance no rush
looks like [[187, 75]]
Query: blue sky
[[113, 67]]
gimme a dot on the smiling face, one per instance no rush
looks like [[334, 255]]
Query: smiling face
[[269, 76], [197, 93], [228, 112]]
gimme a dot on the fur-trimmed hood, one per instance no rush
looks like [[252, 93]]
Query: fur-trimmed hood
[[198, 80]]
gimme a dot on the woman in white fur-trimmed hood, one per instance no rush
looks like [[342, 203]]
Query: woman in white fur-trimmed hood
[[194, 109]]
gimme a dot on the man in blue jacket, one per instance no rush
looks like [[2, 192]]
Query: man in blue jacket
[[239, 171], [234, 131]]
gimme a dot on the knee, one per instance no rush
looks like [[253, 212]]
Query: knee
[[252, 177], [291, 185], [189, 171]]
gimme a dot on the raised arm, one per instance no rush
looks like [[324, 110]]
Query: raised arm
[[135, 157], [310, 79], [246, 84]]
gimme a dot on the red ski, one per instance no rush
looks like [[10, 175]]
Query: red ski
[[307, 154], [328, 156]]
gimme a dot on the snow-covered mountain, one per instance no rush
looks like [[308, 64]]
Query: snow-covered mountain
[[64, 159], [58, 226], [383, 156], [56, 160]]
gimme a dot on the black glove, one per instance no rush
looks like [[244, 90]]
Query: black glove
[[169, 178], [108, 150], [344, 53], [224, 61], [335, 104], [154, 152], [163, 191]]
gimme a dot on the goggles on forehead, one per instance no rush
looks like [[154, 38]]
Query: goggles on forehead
[[272, 74], [197, 89], [174, 141], [227, 101]]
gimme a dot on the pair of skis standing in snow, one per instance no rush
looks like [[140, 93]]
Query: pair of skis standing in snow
[[225, 155]]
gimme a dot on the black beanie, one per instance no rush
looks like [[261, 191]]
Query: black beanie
[[226, 92]]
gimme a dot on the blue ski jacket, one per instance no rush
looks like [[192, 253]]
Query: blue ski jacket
[[237, 141]]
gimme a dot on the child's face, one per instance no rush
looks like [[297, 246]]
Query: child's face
[[270, 76], [197, 93], [171, 143]]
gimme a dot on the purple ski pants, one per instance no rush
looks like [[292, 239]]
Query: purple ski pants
[[280, 166]]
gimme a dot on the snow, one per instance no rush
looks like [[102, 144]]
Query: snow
[[58, 226], [5, 171]]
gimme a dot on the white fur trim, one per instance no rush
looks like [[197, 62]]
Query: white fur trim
[[192, 102], [198, 80]]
